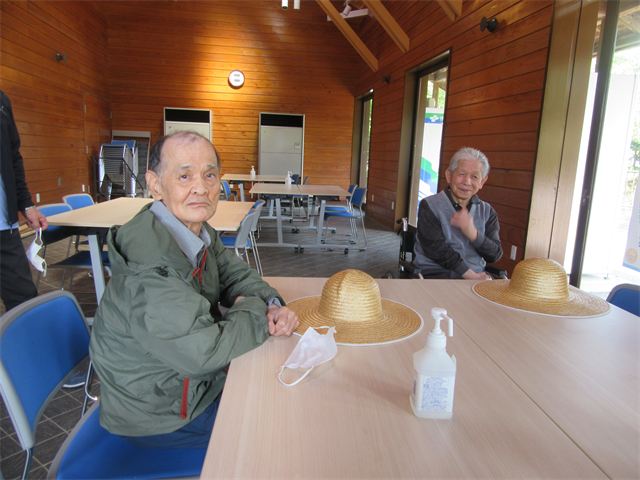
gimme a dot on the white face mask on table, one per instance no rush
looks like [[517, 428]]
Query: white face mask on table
[[32, 253], [312, 350]]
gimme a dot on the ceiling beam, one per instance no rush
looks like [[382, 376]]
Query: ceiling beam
[[388, 23], [453, 8], [350, 35]]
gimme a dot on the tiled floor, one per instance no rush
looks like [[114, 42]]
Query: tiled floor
[[64, 411]]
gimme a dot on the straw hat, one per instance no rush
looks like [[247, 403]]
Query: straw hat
[[351, 302], [540, 285]]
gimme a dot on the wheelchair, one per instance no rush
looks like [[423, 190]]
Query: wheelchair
[[406, 269]]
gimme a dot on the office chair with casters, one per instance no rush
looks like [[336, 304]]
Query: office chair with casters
[[242, 239], [346, 208], [43, 342], [627, 297], [228, 193], [357, 199]]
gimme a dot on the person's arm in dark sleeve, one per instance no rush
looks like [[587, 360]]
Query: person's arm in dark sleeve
[[488, 244], [17, 163], [434, 244]]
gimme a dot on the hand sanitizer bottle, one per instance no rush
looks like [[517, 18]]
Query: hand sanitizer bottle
[[434, 373], [287, 179], [253, 172]]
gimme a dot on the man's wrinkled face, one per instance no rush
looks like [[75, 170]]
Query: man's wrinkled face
[[189, 181], [466, 180]]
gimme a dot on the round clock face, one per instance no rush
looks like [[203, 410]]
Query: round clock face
[[236, 78]]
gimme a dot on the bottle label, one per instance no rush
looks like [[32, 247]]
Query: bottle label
[[433, 394]]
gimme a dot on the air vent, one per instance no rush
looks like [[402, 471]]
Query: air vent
[[281, 120], [187, 115]]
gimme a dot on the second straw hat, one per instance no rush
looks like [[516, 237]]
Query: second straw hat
[[540, 285], [351, 302]]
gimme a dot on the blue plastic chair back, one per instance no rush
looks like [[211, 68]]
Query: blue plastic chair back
[[294, 178], [78, 200], [358, 197], [626, 297], [54, 233], [129, 143], [227, 188], [42, 342]]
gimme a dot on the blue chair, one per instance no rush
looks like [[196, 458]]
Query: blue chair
[[79, 260], [78, 200], [91, 452], [54, 233], [42, 343], [357, 199], [626, 297], [227, 190], [242, 239]]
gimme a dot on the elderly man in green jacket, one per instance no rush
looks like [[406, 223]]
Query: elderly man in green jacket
[[160, 344]]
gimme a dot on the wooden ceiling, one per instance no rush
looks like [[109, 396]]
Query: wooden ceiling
[[453, 9]]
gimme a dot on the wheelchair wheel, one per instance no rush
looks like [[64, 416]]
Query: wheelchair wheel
[[391, 275]]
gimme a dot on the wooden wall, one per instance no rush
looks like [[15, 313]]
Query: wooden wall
[[179, 54], [48, 96], [494, 99]]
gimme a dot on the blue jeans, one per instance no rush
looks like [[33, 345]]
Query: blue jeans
[[193, 435]]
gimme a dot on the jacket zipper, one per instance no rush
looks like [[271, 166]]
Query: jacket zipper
[[185, 397], [198, 271]]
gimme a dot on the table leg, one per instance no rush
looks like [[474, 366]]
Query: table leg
[[97, 267], [279, 220]]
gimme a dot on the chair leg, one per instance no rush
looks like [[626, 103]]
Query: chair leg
[[27, 463], [256, 255], [364, 233], [87, 389]]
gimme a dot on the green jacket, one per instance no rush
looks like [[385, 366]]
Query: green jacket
[[159, 342]]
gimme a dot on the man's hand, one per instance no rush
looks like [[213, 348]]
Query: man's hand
[[282, 321], [464, 221], [471, 275], [35, 219]]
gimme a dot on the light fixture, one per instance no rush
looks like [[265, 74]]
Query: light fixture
[[61, 57], [296, 4], [490, 24], [347, 8], [285, 4]]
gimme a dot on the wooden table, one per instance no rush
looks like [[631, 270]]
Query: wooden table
[[119, 211], [526, 402], [309, 190], [242, 179]]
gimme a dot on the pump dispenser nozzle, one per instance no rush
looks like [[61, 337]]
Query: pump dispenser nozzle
[[437, 338]]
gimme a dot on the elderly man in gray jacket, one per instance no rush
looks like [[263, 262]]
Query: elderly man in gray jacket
[[457, 232], [159, 342]]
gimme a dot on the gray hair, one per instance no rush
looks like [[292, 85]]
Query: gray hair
[[467, 153], [185, 138]]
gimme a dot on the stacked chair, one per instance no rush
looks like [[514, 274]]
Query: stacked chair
[[42, 343]]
